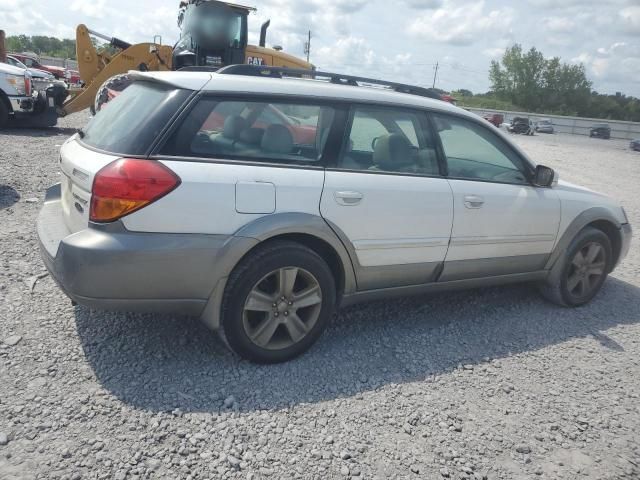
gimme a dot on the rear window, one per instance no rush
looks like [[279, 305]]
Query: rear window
[[132, 121]]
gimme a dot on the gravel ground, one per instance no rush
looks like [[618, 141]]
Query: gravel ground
[[491, 383]]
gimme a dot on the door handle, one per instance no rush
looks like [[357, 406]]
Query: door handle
[[348, 198], [473, 201]]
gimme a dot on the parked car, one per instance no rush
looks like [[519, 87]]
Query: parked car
[[544, 126], [21, 104], [635, 145], [600, 130], [521, 125], [36, 73], [302, 134], [32, 62], [264, 238], [41, 80], [495, 119], [73, 77]]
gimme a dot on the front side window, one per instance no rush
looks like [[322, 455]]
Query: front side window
[[474, 152], [254, 130], [389, 140]]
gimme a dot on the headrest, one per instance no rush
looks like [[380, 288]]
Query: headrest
[[252, 136], [233, 127], [277, 139], [391, 152]]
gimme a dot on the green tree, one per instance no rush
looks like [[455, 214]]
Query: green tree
[[42, 45], [538, 84]]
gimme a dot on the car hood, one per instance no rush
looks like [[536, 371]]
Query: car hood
[[37, 73], [57, 69], [10, 69], [572, 187]]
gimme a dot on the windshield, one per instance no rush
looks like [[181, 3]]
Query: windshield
[[131, 122], [15, 63], [213, 26]]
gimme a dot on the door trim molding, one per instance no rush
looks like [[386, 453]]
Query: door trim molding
[[502, 239], [483, 267], [385, 293]]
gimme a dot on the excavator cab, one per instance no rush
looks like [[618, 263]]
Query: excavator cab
[[213, 34]]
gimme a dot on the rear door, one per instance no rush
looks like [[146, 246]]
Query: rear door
[[502, 223], [386, 196]]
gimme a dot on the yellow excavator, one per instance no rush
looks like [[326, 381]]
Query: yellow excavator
[[213, 34]]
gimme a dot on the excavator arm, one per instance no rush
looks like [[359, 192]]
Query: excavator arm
[[96, 67]]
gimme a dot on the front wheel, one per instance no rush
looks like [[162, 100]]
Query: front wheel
[[579, 276], [277, 303], [4, 114]]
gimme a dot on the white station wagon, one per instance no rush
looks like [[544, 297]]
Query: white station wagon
[[261, 203]]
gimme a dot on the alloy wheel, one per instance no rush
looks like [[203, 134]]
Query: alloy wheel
[[282, 308], [586, 270]]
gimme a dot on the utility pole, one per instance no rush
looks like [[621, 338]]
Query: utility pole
[[307, 47], [435, 75]]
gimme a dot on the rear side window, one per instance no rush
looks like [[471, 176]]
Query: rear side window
[[131, 122], [273, 132]]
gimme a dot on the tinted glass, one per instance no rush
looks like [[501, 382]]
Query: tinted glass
[[262, 131], [132, 121], [476, 153], [389, 140]]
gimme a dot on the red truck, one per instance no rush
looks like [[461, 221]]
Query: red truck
[[32, 62], [495, 119]]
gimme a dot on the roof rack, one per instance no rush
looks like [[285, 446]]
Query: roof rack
[[337, 78]]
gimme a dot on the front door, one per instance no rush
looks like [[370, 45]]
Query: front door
[[387, 197], [503, 224]]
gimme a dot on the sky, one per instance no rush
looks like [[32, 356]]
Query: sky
[[399, 40]]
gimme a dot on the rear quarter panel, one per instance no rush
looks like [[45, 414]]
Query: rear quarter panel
[[207, 202]]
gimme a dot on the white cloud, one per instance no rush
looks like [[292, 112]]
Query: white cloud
[[614, 65], [90, 8], [493, 53], [630, 18], [423, 4], [559, 24], [462, 24]]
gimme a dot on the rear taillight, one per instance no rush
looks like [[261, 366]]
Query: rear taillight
[[27, 86], [127, 185]]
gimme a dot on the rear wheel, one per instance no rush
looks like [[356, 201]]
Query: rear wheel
[[277, 303], [583, 270]]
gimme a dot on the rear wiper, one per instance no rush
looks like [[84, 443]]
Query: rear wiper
[[80, 133]]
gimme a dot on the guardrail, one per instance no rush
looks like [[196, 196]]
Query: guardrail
[[571, 125], [59, 62]]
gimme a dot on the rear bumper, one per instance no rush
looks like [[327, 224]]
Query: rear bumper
[[126, 271]]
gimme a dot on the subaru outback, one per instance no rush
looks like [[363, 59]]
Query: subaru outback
[[195, 193]]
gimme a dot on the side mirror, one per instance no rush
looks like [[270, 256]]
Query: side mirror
[[545, 177]]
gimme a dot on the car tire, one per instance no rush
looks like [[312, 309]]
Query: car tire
[[579, 275], [4, 114], [278, 301]]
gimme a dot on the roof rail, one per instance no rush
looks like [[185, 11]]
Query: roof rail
[[192, 68], [337, 78]]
